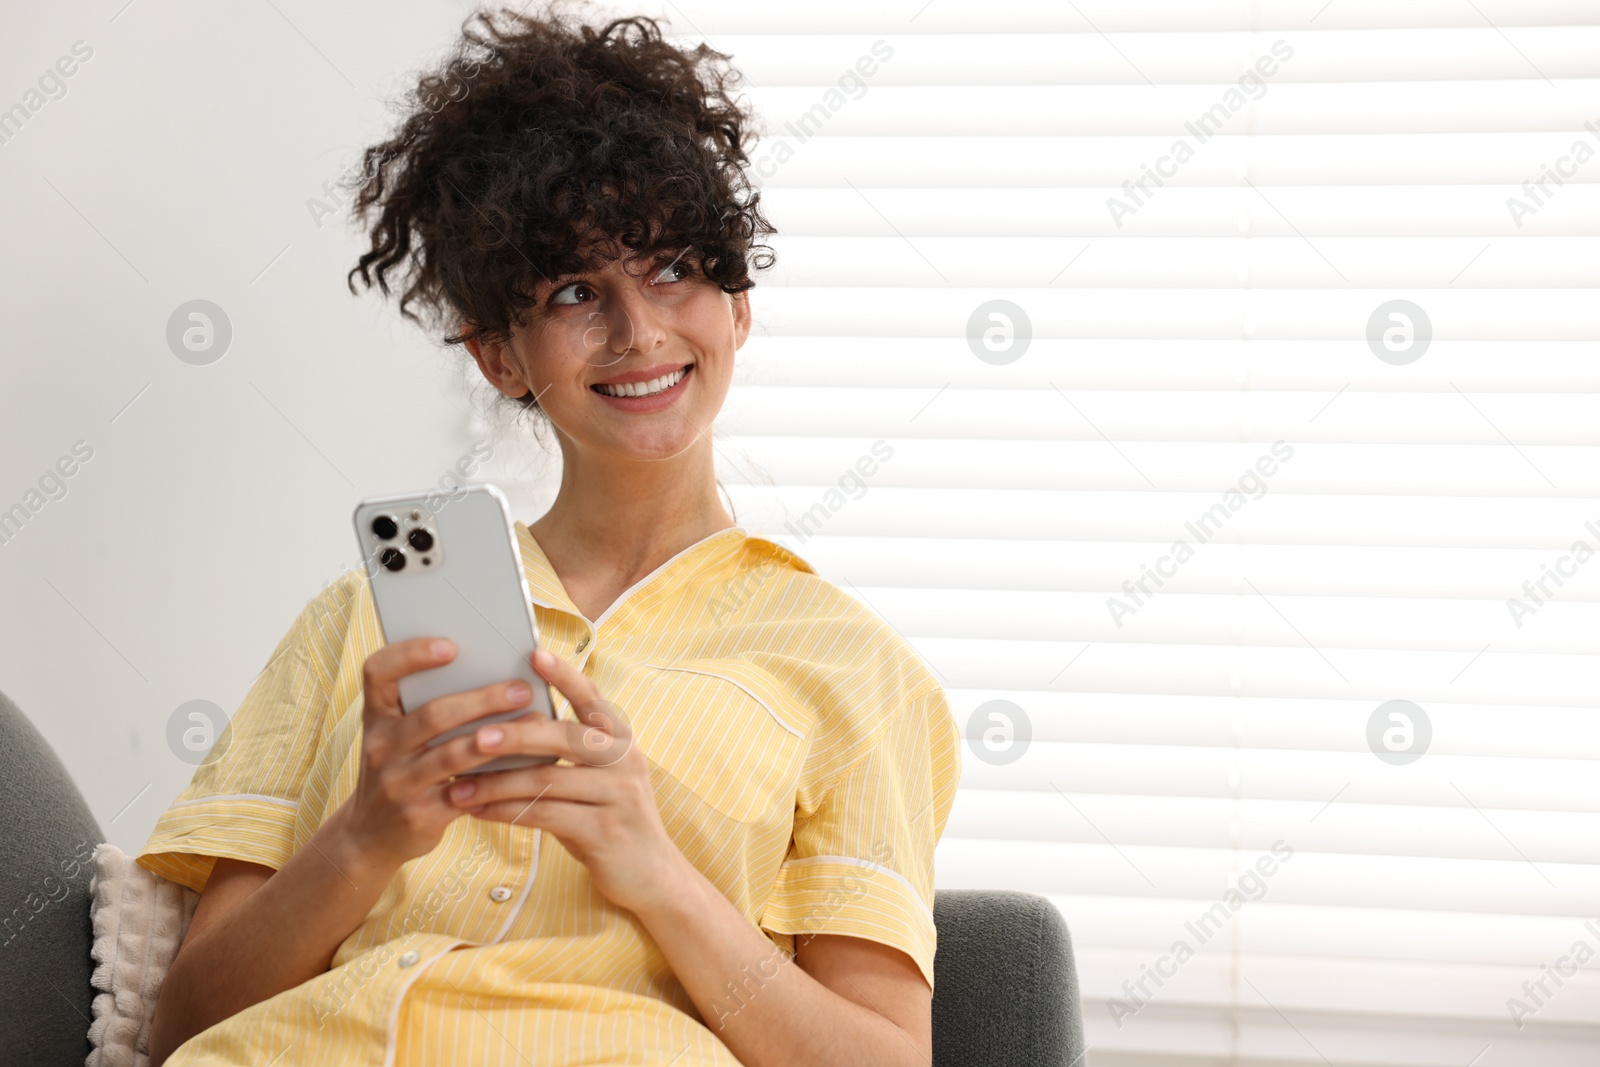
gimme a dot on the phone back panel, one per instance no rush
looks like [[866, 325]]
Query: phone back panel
[[468, 586]]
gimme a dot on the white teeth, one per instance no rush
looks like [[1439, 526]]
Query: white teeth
[[645, 388]]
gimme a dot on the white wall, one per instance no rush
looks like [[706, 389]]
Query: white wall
[[177, 166]]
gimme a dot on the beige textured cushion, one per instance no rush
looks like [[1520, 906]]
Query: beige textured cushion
[[139, 921]]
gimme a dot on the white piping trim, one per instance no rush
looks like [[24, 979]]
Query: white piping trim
[[869, 865], [628, 592], [519, 528], [553, 607], [238, 796], [539, 640], [390, 1045], [733, 682], [527, 886], [594, 625]]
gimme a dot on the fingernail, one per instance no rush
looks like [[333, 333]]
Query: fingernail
[[463, 790], [518, 692], [542, 658], [490, 736], [440, 648]]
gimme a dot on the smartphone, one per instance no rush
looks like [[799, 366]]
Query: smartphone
[[447, 565]]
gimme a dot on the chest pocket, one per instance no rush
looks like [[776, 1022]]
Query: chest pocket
[[723, 731]]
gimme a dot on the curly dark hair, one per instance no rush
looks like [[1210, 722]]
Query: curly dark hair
[[535, 136]]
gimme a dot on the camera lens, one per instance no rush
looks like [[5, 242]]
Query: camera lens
[[384, 527], [392, 558], [420, 539]]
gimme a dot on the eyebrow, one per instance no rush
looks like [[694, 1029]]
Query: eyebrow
[[560, 281]]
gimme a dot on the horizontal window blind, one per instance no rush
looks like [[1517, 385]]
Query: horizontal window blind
[[1200, 760]]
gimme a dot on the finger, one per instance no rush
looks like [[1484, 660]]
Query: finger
[[606, 735], [576, 686], [443, 714], [563, 818], [533, 736], [530, 784], [382, 671], [436, 767], [599, 741]]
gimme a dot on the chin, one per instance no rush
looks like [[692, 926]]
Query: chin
[[660, 443]]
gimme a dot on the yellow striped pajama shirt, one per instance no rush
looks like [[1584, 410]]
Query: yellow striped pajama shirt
[[802, 756]]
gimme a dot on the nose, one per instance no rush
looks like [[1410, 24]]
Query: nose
[[631, 323]]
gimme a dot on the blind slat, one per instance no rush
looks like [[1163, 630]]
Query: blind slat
[[1088, 17], [1558, 420], [1190, 262], [1476, 53], [1266, 926], [1064, 163], [1203, 815], [911, 512], [1322, 879], [1354, 571], [1192, 466], [1318, 725], [1140, 108], [1422, 675], [1166, 364], [1300, 212]]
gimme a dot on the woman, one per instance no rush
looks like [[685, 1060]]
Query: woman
[[751, 880]]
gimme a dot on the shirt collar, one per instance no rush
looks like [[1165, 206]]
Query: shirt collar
[[547, 590]]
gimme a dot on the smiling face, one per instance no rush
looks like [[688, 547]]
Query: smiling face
[[632, 360]]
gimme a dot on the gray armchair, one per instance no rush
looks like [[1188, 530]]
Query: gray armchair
[[1006, 992]]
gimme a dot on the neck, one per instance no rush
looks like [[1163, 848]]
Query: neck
[[623, 519]]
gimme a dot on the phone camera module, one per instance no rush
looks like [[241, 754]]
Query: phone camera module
[[384, 528], [392, 559], [420, 539]]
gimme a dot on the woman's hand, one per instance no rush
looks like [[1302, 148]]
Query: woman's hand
[[849, 1002], [290, 923], [601, 807], [399, 808]]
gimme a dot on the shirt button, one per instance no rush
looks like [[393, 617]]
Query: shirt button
[[408, 959], [583, 644], [499, 894]]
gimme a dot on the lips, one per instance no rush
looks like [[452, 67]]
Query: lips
[[654, 389]]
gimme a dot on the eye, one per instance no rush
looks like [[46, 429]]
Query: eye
[[677, 269], [573, 288]]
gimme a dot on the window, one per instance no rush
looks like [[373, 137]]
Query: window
[[1214, 384]]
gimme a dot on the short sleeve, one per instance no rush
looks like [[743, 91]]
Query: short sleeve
[[861, 864], [242, 803]]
